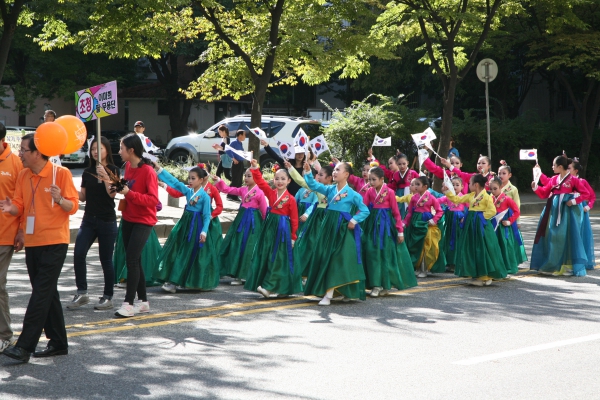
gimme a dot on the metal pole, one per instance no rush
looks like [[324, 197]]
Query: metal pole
[[487, 108], [98, 143]]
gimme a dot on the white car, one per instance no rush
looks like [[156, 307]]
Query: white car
[[80, 157], [199, 148]]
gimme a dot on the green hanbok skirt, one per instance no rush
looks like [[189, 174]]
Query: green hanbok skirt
[[336, 262], [451, 234], [308, 239], [511, 247], [186, 262], [422, 240], [479, 254], [238, 245], [149, 260], [272, 261], [386, 262]]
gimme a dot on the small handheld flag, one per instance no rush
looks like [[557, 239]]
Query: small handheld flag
[[302, 139], [319, 145], [496, 220], [537, 173], [423, 155], [448, 183], [246, 155], [528, 154], [382, 141], [259, 133], [287, 149]]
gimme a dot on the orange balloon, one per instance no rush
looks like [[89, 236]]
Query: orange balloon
[[50, 139], [76, 132]]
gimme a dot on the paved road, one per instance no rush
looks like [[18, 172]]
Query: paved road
[[530, 337]]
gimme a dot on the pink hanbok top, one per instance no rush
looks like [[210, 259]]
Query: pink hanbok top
[[423, 204], [253, 198], [385, 199]]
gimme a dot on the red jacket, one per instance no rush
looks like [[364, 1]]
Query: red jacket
[[142, 197], [284, 205]]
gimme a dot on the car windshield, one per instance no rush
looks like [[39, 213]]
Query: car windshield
[[311, 129]]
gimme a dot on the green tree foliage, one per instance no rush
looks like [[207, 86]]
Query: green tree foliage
[[568, 44], [352, 130], [454, 31], [253, 46]]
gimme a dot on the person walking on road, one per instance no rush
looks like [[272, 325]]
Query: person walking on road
[[99, 222], [137, 220], [46, 208], [11, 237], [237, 169]]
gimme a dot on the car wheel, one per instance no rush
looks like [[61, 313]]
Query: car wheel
[[179, 157], [267, 162]]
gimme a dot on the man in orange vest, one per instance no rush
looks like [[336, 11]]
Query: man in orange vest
[[11, 238], [45, 206]]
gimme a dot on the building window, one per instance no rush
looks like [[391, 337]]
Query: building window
[[163, 107]]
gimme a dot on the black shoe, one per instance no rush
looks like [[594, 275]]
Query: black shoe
[[51, 351], [17, 353]]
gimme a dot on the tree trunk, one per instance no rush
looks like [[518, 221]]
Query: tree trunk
[[10, 16], [447, 114], [258, 99]]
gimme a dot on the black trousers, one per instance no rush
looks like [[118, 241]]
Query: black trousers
[[44, 311], [237, 174], [221, 170], [135, 237]]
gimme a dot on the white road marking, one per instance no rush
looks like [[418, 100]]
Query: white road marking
[[526, 350]]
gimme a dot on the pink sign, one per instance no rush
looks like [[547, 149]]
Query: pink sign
[[97, 101]]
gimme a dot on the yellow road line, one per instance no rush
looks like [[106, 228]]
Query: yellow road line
[[185, 320], [192, 311]]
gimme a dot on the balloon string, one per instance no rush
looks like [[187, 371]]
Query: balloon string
[[53, 179]]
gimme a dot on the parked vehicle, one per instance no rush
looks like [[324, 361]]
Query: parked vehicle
[[199, 148], [81, 159]]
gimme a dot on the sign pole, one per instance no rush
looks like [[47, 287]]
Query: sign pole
[[98, 144], [487, 108]]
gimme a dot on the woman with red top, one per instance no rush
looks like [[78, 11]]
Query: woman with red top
[[484, 167], [558, 248], [422, 233], [385, 256], [273, 262], [138, 220], [509, 236], [399, 177]]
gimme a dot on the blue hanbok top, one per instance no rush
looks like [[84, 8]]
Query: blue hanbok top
[[342, 200], [197, 201], [308, 197]]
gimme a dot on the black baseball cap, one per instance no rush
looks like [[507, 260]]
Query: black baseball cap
[[138, 123]]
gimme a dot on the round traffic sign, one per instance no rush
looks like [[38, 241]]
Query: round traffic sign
[[492, 70]]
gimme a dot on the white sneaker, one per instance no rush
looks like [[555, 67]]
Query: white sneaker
[[383, 293], [488, 282], [264, 292], [476, 282], [4, 344], [122, 285], [169, 287], [422, 275], [304, 281], [236, 282], [325, 301], [568, 272], [375, 292], [141, 307], [126, 311]]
